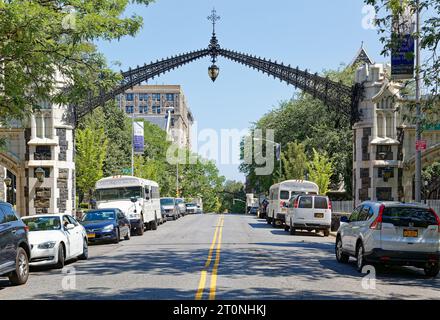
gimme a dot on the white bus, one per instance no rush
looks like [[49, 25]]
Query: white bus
[[279, 195], [138, 198]]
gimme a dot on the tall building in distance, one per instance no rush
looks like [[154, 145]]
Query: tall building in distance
[[152, 102]]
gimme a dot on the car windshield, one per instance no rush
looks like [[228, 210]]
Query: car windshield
[[99, 216], [118, 193], [403, 216], [167, 202], [43, 223], [191, 205]]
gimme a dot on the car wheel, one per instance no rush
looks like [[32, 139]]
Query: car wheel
[[341, 257], [268, 220], [85, 254], [326, 232], [360, 263], [432, 270], [274, 223], [286, 228], [128, 236], [21, 273], [291, 229], [118, 236], [140, 230], [154, 223], [61, 257]]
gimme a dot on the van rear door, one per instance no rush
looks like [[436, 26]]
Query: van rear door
[[406, 228]]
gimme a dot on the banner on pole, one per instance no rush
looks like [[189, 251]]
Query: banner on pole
[[138, 137], [403, 51]]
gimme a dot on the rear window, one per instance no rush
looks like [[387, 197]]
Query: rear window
[[321, 203], [306, 203], [284, 195], [403, 216]]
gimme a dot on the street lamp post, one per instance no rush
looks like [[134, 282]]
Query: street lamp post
[[277, 145], [418, 164]]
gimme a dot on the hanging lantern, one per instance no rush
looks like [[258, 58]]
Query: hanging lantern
[[213, 72]]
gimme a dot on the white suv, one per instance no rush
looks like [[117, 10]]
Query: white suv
[[391, 233], [309, 212]]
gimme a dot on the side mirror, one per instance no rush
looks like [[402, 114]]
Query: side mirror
[[345, 219], [70, 226], [134, 199]]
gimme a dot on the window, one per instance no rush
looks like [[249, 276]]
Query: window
[[9, 214], [46, 172], [72, 221], [284, 195], [156, 96], [170, 97], [156, 109], [355, 214], [43, 153], [321, 203], [382, 171], [384, 152], [129, 97], [143, 97], [403, 216], [2, 216], [384, 194], [306, 203], [129, 109], [364, 214]]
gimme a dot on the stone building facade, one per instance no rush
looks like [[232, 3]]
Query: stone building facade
[[44, 141], [384, 140]]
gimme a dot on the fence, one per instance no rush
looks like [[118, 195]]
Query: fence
[[348, 206]]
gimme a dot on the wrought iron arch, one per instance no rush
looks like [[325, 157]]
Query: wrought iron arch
[[345, 99]]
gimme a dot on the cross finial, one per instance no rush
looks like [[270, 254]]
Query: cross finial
[[214, 18]]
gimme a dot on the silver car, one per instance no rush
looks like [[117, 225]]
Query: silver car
[[391, 233]]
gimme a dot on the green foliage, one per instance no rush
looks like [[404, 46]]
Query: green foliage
[[39, 38], [314, 125], [320, 171], [294, 161], [233, 190], [91, 148], [388, 10]]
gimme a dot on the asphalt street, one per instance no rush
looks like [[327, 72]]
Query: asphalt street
[[219, 257]]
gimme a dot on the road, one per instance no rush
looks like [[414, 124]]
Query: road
[[218, 257]]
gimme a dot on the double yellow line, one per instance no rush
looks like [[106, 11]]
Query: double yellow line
[[216, 241]]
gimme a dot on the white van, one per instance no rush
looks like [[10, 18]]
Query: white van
[[309, 212], [138, 198], [279, 195]]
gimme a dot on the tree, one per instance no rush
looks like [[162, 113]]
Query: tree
[[91, 148], [320, 171], [389, 10], [294, 161], [42, 38]]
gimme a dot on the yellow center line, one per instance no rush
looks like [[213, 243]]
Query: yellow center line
[[204, 273], [216, 263]]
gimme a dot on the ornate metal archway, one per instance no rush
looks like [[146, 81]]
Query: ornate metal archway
[[336, 95]]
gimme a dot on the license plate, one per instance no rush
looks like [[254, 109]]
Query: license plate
[[410, 233], [319, 215], [91, 235]]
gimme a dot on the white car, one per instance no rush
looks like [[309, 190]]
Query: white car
[[309, 212], [56, 238]]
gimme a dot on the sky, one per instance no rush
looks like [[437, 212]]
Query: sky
[[316, 35]]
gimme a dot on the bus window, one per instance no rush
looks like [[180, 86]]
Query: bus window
[[284, 195]]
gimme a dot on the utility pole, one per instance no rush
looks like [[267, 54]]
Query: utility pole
[[132, 143], [177, 180], [418, 173]]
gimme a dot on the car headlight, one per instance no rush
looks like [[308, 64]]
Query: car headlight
[[108, 228], [47, 245]]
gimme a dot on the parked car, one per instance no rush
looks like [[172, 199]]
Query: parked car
[[191, 208], [170, 209], [106, 225], [309, 212], [391, 233], [181, 206], [56, 238], [15, 250], [254, 211]]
